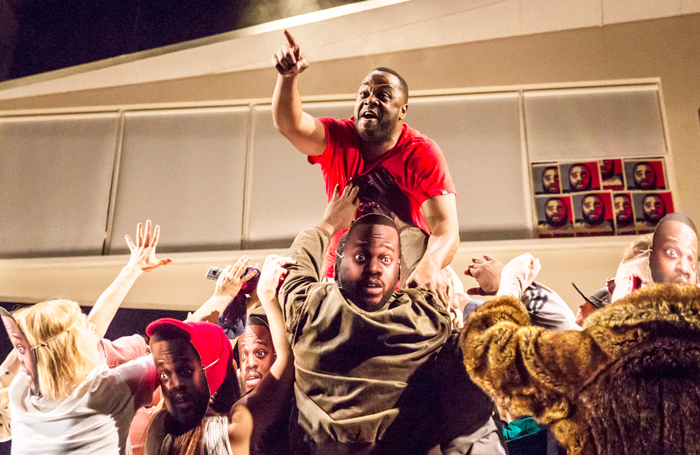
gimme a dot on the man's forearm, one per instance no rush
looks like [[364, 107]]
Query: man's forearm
[[441, 215], [286, 105], [211, 310], [308, 250], [442, 246]]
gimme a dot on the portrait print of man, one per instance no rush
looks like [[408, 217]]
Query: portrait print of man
[[611, 174], [645, 175], [593, 213], [580, 177], [650, 208], [624, 214], [545, 178], [554, 216]]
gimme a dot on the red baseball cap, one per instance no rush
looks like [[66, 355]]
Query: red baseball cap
[[210, 342]]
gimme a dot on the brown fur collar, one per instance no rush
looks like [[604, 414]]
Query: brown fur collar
[[658, 305]]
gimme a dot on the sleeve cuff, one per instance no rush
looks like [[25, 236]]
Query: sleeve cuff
[[324, 232]]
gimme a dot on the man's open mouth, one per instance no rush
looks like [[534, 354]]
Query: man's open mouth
[[369, 115], [372, 287], [253, 377]]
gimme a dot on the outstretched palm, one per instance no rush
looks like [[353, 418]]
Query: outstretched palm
[[143, 253]]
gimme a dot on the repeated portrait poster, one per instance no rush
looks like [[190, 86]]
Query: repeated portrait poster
[[645, 175], [649, 208], [554, 216], [611, 175], [579, 177], [593, 214], [600, 198]]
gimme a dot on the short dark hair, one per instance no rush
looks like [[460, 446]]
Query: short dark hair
[[578, 165], [595, 195], [647, 196], [646, 163], [555, 198], [403, 86], [373, 218]]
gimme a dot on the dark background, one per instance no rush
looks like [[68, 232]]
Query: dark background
[[126, 322], [43, 35]]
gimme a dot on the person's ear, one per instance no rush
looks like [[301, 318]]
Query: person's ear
[[402, 111]]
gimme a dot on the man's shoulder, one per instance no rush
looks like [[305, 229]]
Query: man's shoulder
[[340, 133], [415, 296], [413, 136], [341, 124], [321, 293]]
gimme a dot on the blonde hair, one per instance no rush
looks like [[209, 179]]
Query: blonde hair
[[636, 248], [53, 329]]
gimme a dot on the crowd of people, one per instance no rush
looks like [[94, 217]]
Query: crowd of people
[[361, 339]]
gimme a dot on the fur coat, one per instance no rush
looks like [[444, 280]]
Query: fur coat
[[628, 384]]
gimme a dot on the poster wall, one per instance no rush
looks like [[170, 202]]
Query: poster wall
[[600, 198]]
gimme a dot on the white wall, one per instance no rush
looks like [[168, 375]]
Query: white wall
[[665, 49]]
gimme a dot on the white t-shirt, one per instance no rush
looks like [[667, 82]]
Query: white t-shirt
[[93, 420]]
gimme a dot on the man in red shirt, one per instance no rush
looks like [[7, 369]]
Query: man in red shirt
[[376, 138]]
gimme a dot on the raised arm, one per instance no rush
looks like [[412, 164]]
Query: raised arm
[[228, 285], [441, 215], [308, 249], [487, 273], [143, 259], [275, 388], [305, 132]]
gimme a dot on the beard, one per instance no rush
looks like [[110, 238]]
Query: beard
[[645, 185], [654, 219], [379, 133], [624, 222], [580, 186], [607, 174], [593, 222], [553, 223], [182, 422], [552, 189]]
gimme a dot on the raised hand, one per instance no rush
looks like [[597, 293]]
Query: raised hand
[[272, 272], [143, 259], [143, 253], [341, 209], [232, 279], [378, 186], [289, 60], [487, 273]]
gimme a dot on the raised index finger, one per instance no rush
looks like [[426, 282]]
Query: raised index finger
[[290, 38]]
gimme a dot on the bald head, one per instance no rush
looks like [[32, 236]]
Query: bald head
[[674, 251]]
